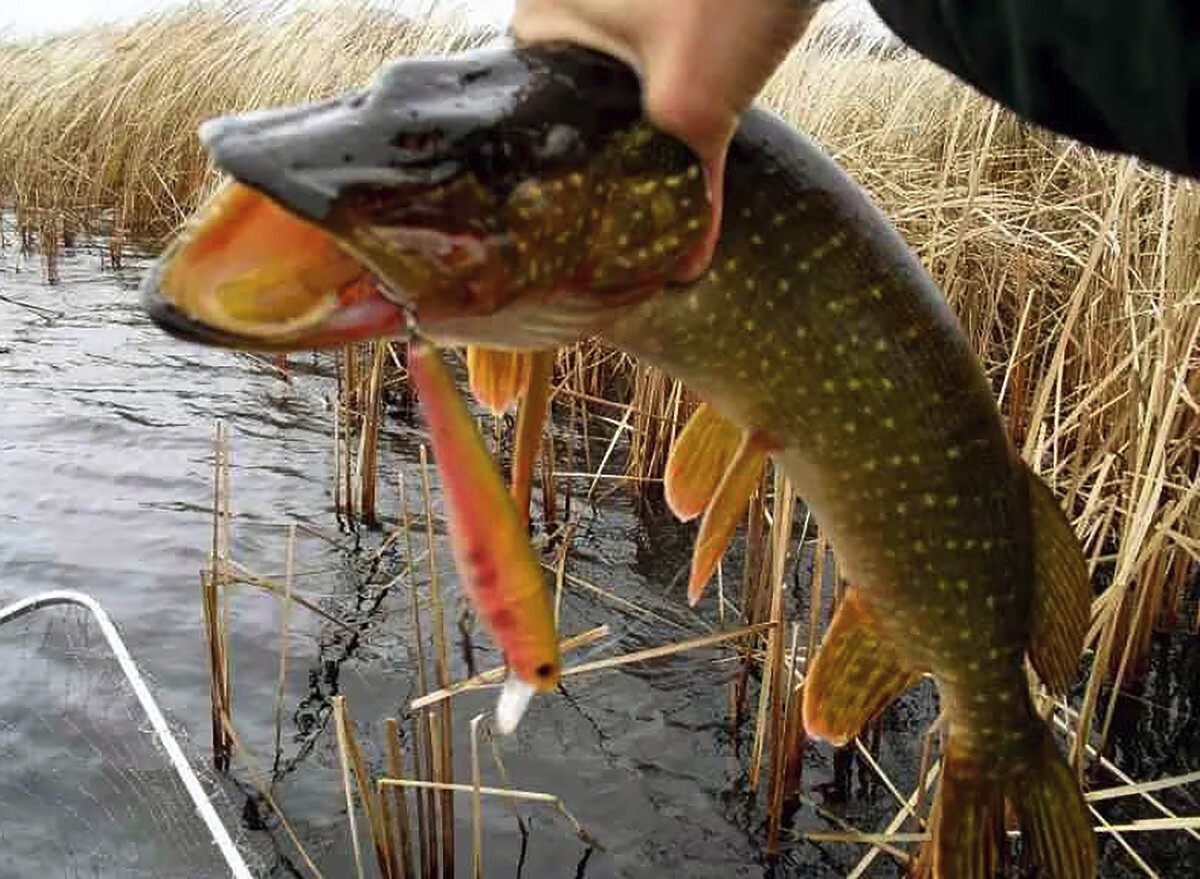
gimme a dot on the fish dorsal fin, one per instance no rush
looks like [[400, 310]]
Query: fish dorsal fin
[[698, 460], [855, 675], [497, 378], [1062, 594], [725, 510]]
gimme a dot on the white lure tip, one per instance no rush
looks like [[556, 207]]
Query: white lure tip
[[510, 707]]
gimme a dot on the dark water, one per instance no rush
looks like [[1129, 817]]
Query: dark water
[[105, 486]]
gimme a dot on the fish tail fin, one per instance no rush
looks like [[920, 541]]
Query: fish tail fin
[[1052, 814], [965, 823], [968, 817]]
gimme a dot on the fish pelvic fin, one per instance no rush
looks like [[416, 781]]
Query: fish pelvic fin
[[1062, 594], [699, 458], [967, 820], [531, 416], [726, 509], [497, 378], [856, 674]]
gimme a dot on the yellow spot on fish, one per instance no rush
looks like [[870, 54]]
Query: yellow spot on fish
[[693, 224], [870, 465], [802, 266], [986, 545], [876, 292], [749, 324], [829, 385], [622, 240], [850, 427], [673, 182], [954, 453], [963, 585], [951, 543], [751, 284], [886, 383], [731, 264], [801, 332], [952, 501], [693, 301], [854, 384], [779, 219], [943, 584], [783, 285], [881, 345], [889, 423], [919, 547], [929, 500]]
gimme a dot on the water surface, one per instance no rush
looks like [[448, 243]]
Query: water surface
[[106, 486]]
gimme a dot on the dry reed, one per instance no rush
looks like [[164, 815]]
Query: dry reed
[[1075, 275]]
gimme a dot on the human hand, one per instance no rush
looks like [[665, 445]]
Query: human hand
[[701, 61]]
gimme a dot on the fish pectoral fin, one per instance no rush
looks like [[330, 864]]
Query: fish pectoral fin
[[725, 510], [699, 458], [856, 674], [968, 817], [531, 416], [1062, 593], [497, 378]]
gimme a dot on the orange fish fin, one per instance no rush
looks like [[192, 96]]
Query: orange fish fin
[[1062, 593], [497, 378], [856, 674], [968, 817], [531, 415], [698, 459], [723, 513]]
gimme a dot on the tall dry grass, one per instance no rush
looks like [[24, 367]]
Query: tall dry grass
[[1076, 275], [106, 118]]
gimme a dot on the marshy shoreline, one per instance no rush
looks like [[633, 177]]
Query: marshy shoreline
[[1075, 274]]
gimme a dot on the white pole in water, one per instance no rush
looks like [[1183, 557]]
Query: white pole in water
[[183, 769]]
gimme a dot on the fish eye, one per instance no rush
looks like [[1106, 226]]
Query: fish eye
[[545, 670]]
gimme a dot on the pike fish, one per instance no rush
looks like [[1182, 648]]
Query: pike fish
[[516, 198]]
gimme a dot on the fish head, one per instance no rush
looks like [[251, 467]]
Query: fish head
[[513, 196]]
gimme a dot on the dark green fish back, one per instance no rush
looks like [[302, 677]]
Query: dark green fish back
[[817, 326]]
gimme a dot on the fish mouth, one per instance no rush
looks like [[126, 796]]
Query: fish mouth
[[247, 274]]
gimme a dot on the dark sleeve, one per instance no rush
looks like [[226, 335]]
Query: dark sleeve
[[1121, 75]]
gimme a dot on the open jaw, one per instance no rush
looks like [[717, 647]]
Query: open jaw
[[247, 274]]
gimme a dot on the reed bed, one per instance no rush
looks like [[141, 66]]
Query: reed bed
[[1075, 274]]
